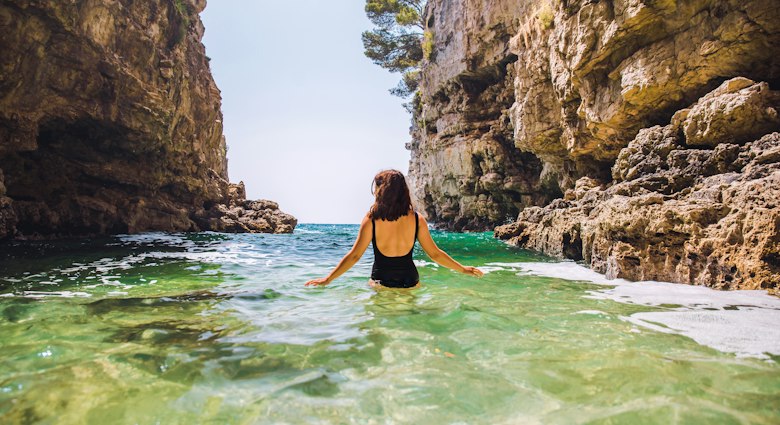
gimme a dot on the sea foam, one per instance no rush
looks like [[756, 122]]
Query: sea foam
[[745, 323]]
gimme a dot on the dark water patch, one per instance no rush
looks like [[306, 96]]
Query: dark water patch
[[267, 294], [108, 305], [255, 367], [170, 368], [180, 333], [17, 309], [321, 386]]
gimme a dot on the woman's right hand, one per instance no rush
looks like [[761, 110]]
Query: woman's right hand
[[473, 271], [318, 282]]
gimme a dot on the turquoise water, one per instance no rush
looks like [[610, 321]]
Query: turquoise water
[[214, 328]]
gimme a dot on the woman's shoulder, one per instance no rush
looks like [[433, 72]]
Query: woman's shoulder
[[410, 214], [420, 218]]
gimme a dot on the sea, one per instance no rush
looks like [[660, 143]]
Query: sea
[[189, 328]]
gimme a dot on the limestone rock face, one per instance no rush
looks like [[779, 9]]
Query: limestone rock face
[[539, 94], [737, 111], [638, 136], [465, 171], [110, 120], [678, 209]]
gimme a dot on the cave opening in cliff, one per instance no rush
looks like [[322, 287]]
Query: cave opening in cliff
[[72, 178], [572, 245]]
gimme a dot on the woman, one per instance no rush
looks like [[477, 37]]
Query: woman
[[390, 225]]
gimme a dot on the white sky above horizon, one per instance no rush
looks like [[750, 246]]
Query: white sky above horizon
[[307, 117]]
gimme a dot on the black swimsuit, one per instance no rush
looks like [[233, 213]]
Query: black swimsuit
[[394, 272]]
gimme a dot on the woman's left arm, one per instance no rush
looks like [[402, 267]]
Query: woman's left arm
[[352, 257]]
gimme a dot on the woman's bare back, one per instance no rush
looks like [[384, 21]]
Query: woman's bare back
[[395, 238]]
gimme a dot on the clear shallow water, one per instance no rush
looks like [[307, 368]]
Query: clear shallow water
[[212, 328]]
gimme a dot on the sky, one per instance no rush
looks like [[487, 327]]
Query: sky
[[307, 117]]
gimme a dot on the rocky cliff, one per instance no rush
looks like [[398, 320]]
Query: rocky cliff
[[651, 124], [110, 122], [466, 172]]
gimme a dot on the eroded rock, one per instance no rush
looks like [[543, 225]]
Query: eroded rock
[[247, 216], [110, 120], [673, 213], [569, 84], [738, 111], [465, 171], [608, 104]]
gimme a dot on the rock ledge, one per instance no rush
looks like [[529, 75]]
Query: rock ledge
[[693, 201]]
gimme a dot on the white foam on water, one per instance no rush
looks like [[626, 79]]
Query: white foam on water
[[651, 292], [216, 257], [60, 294], [11, 279], [155, 238], [592, 312], [300, 231], [489, 269], [107, 268], [568, 270], [745, 332], [423, 263], [745, 323]]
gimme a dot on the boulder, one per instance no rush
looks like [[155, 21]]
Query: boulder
[[672, 213]]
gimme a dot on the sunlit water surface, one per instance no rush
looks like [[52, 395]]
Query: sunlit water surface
[[214, 328]]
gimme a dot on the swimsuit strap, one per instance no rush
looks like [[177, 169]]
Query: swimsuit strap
[[416, 225], [373, 232]]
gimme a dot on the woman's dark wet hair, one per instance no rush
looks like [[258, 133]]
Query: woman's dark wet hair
[[392, 196]]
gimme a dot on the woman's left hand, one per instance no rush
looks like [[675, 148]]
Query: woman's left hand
[[473, 271], [318, 282]]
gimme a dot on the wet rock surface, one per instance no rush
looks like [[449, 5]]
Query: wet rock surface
[[110, 121]]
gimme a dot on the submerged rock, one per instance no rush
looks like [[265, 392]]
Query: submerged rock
[[110, 121]]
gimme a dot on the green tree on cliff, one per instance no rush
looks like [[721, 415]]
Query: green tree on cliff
[[396, 43]]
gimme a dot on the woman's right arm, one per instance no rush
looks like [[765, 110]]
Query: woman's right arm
[[439, 256], [352, 257]]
